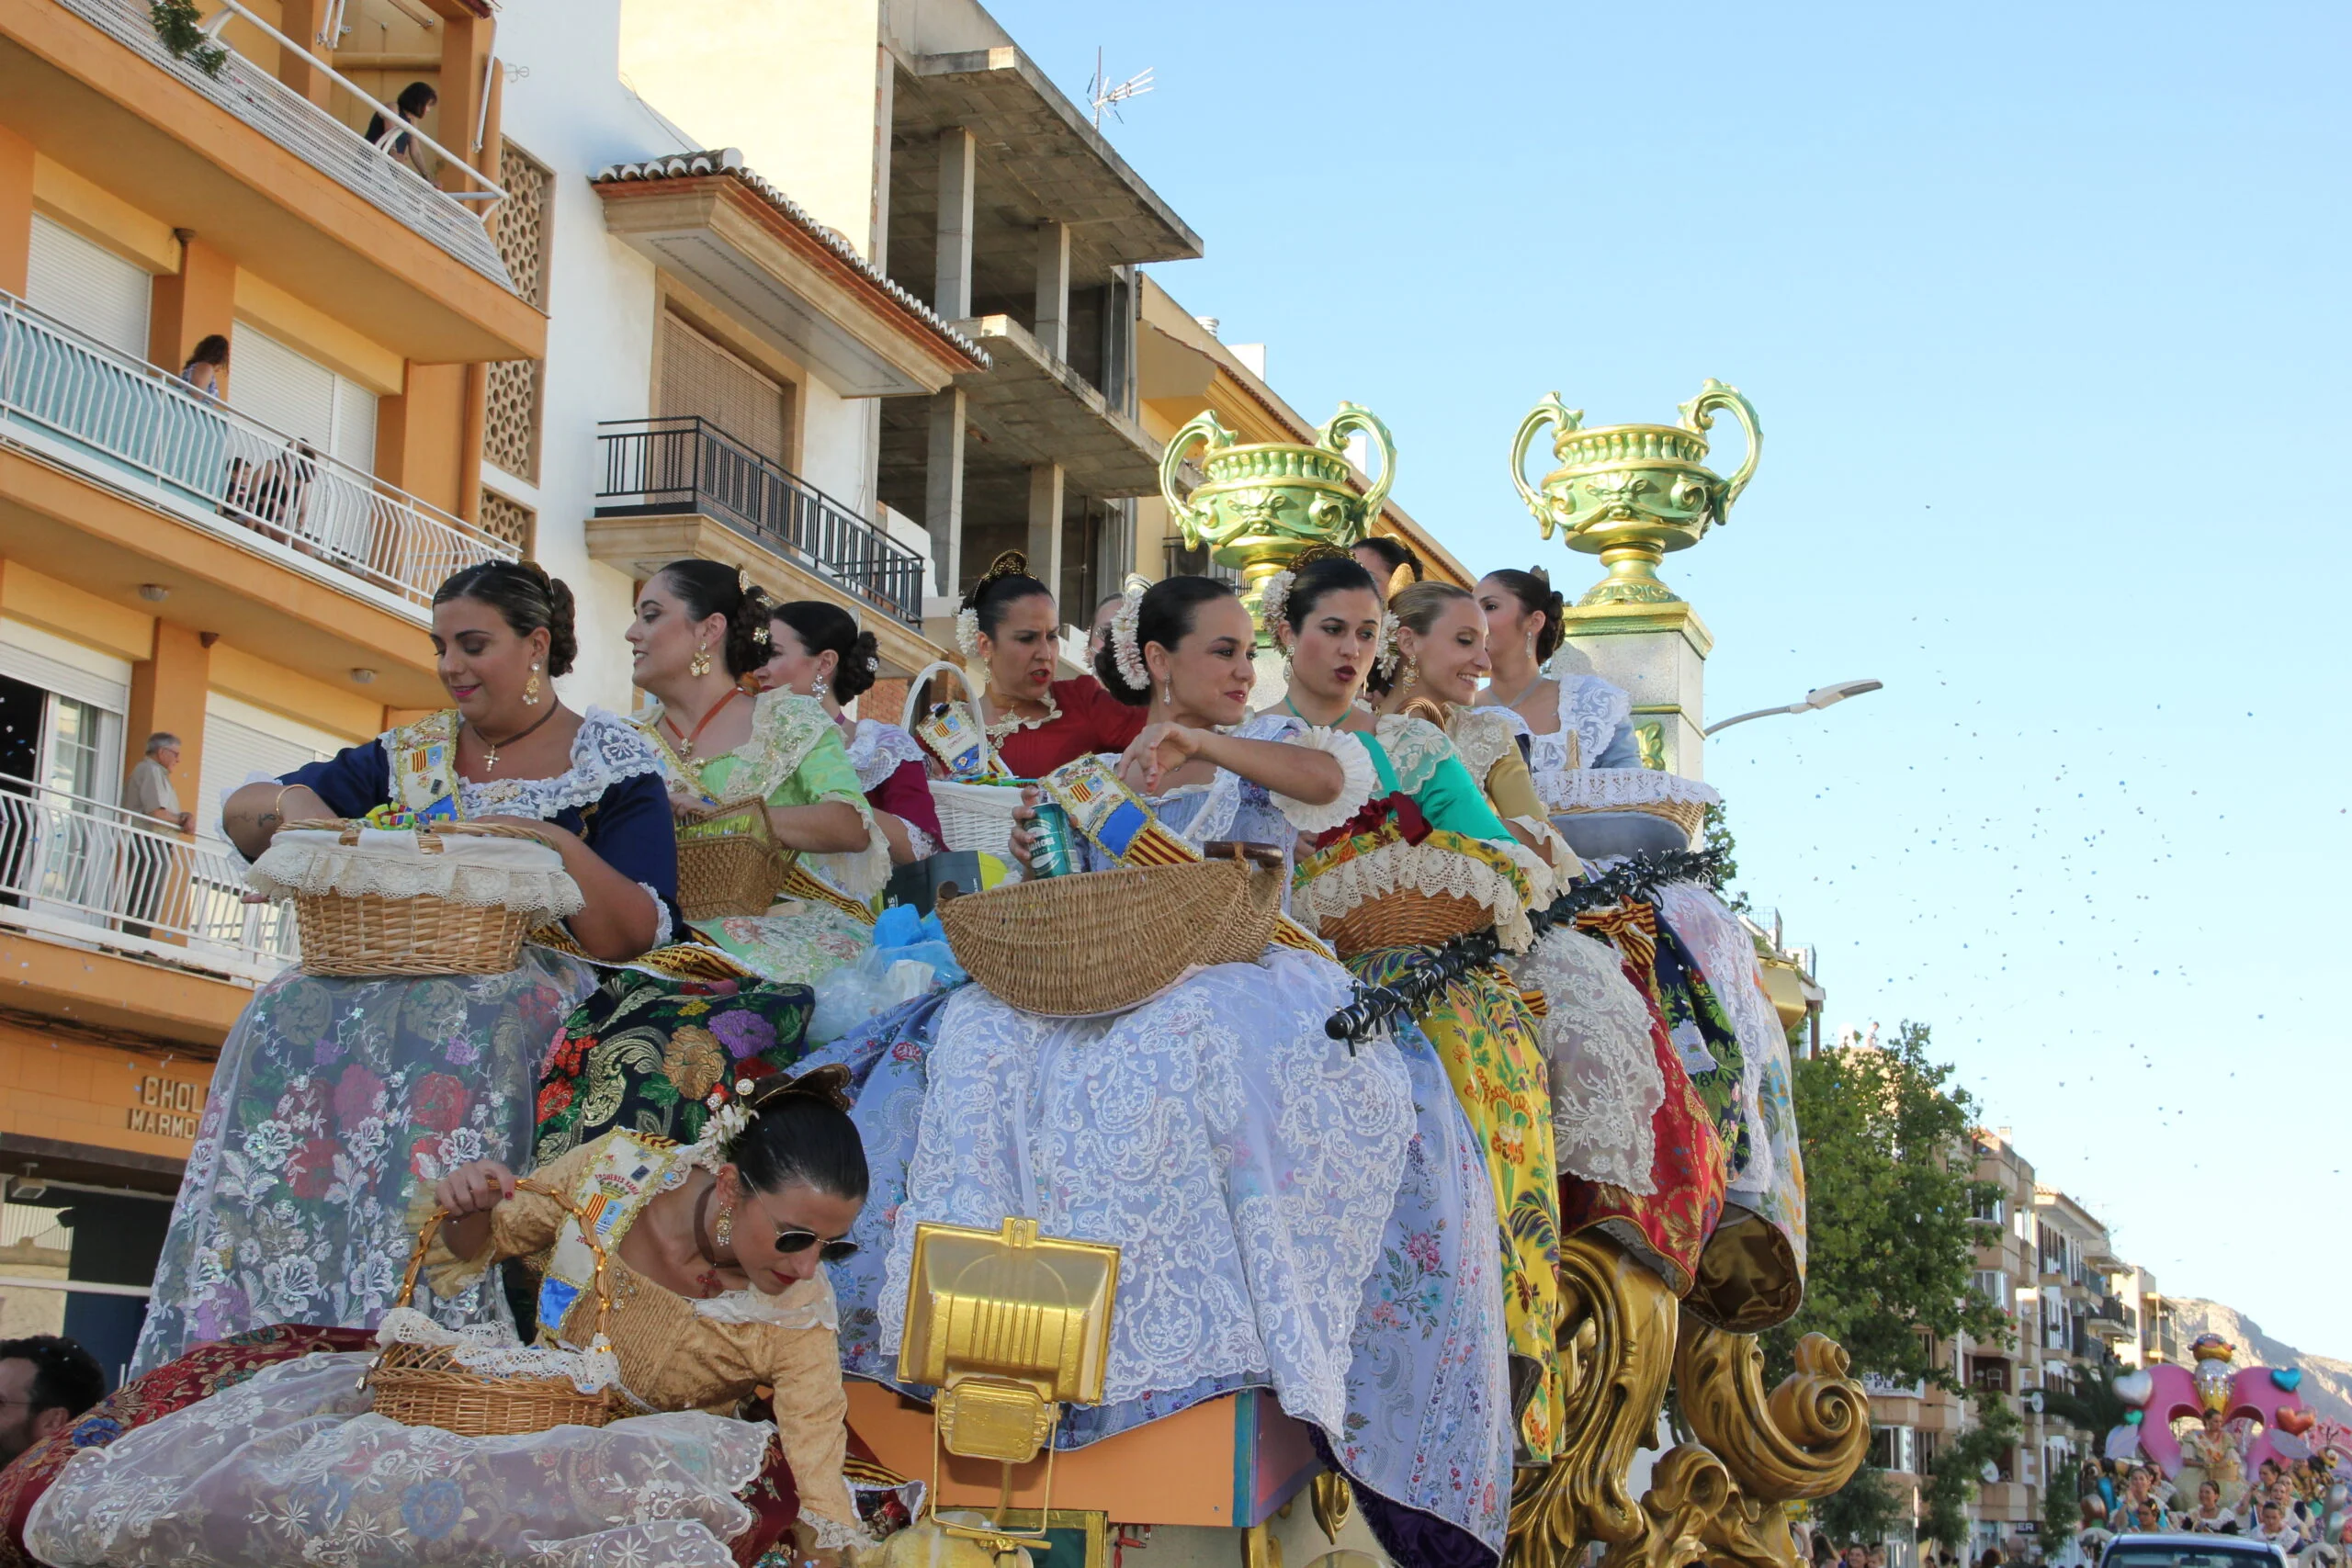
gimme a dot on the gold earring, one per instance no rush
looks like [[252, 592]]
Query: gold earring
[[722, 1230], [531, 692], [1412, 668], [701, 664]]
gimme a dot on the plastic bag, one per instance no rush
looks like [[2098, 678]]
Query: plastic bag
[[910, 958]]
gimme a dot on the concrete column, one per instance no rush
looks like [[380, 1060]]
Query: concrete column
[[959, 165], [188, 306], [943, 511], [1052, 289], [420, 436], [16, 211], [1044, 548], [299, 20], [465, 62], [167, 693]]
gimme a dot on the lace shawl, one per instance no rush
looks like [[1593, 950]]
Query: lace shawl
[[877, 749], [1484, 737], [1606, 1086], [607, 749], [1591, 710], [1627, 789], [1416, 748]]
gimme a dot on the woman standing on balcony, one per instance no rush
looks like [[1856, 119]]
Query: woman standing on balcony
[[819, 652], [653, 1053], [1035, 723], [336, 1101]]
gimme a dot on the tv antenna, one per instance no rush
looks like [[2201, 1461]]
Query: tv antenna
[[1106, 96]]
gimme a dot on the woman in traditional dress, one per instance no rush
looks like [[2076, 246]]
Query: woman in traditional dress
[[1429, 829], [1697, 962], [819, 652], [1035, 723], [715, 1293], [654, 1052], [335, 1099], [1289, 1207]]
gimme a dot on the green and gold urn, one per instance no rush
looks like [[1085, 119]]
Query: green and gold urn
[[1261, 502], [1629, 493]]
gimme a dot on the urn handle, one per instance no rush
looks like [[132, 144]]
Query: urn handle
[[1205, 429], [1333, 437], [1698, 415], [1550, 411]]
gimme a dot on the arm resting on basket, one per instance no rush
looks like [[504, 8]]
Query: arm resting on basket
[[827, 828], [252, 816], [1299, 772]]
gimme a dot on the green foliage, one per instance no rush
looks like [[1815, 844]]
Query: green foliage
[[1866, 1510], [180, 27], [1891, 1188], [2061, 1510], [2092, 1406], [1717, 835], [1953, 1478]]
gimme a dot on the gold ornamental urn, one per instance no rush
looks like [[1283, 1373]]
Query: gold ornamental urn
[[1261, 502], [1629, 493]]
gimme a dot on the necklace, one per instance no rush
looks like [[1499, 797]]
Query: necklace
[[686, 740], [489, 748], [707, 1281], [1010, 707], [1523, 692], [1304, 719]]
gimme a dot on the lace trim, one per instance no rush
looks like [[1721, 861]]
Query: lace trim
[[1442, 864], [1482, 736], [786, 727], [877, 749], [1591, 709], [661, 932], [492, 1349], [1539, 875], [923, 843], [490, 873], [1606, 1084], [1360, 780], [607, 749], [799, 1307], [1603, 789], [1416, 749], [830, 1534]]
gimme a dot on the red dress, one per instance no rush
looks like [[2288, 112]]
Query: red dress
[[1091, 719]]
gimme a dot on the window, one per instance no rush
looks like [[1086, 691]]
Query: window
[[89, 287], [1989, 1372], [296, 396], [1928, 1448], [702, 379], [1892, 1448], [1993, 1286], [509, 520]]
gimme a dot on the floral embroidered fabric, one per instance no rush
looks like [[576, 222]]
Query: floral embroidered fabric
[[877, 749], [1606, 1086], [1595, 731]]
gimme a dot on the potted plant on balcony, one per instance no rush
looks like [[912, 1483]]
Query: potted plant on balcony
[[181, 30]]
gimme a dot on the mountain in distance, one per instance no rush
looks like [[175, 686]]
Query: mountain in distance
[[2327, 1383]]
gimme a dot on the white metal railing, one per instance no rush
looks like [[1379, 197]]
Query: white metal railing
[[255, 95], [67, 861], [97, 411]]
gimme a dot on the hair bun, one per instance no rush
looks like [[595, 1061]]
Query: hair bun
[[828, 1085]]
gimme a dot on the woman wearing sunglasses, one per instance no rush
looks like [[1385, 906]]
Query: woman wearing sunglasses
[[712, 1251]]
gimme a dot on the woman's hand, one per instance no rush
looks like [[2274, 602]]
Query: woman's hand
[[474, 1189], [1161, 749], [1022, 835]]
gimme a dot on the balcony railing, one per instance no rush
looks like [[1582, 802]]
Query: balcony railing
[[128, 426], [253, 94], [656, 468], [70, 866]]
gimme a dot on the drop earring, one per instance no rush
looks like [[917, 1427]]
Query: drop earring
[[1286, 670], [1168, 693], [531, 690], [818, 690], [701, 663], [722, 1230], [1412, 668]]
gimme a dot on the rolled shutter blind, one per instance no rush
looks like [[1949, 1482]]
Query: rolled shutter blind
[[90, 289]]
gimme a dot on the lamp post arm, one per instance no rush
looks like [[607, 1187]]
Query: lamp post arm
[[1759, 712]]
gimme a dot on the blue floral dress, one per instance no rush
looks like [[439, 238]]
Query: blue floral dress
[[335, 1100]]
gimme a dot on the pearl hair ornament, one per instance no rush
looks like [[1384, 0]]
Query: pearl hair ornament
[[1126, 654]]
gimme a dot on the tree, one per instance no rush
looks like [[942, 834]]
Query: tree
[[1715, 834], [2062, 1509], [1953, 1478], [2091, 1406], [1891, 1191], [1865, 1509]]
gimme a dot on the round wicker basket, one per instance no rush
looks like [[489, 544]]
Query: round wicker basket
[[424, 1385], [1104, 940], [369, 934], [1688, 815], [1404, 918]]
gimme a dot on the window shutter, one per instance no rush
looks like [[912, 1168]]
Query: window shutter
[[239, 742], [290, 393], [699, 377], [90, 289]]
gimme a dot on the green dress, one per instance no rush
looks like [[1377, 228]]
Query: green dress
[[1430, 826]]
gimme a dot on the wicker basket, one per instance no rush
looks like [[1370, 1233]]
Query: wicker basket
[[729, 862], [1104, 940], [1404, 919], [368, 933], [977, 817], [1688, 815], [424, 1385]]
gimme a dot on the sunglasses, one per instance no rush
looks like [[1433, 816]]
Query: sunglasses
[[793, 1239]]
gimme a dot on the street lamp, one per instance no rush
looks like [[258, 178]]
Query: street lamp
[[1819, 697]]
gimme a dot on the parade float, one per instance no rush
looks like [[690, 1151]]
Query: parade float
[[1229, 1472], [2213, 1420]]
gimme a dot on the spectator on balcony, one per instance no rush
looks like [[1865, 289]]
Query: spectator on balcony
[[151, 793], [152, 797], [394, 139], [1035, 723], [46, 1382], [819, 652], [206, 365]]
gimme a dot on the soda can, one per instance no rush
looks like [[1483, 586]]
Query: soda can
[[1052, 849]]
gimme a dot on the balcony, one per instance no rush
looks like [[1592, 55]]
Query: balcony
[[282, 185], [136, 431], [2112, 1322], [664, 477], [82, 870]]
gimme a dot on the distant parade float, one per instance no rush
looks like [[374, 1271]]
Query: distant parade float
[[2213, 1421]]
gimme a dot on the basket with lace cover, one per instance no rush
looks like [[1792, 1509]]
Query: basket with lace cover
[[480, 1382], [438, 897], [1613, 811]]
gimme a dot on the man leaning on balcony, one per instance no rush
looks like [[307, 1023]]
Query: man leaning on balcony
[[152, 795]]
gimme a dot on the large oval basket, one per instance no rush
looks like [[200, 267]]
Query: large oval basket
[[1104, 940], [1404, 919], [350, 934]]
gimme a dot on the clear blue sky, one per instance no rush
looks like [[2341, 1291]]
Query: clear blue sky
[[2043, 308]]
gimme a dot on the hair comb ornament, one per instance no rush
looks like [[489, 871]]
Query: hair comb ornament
[[1127, 653]]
